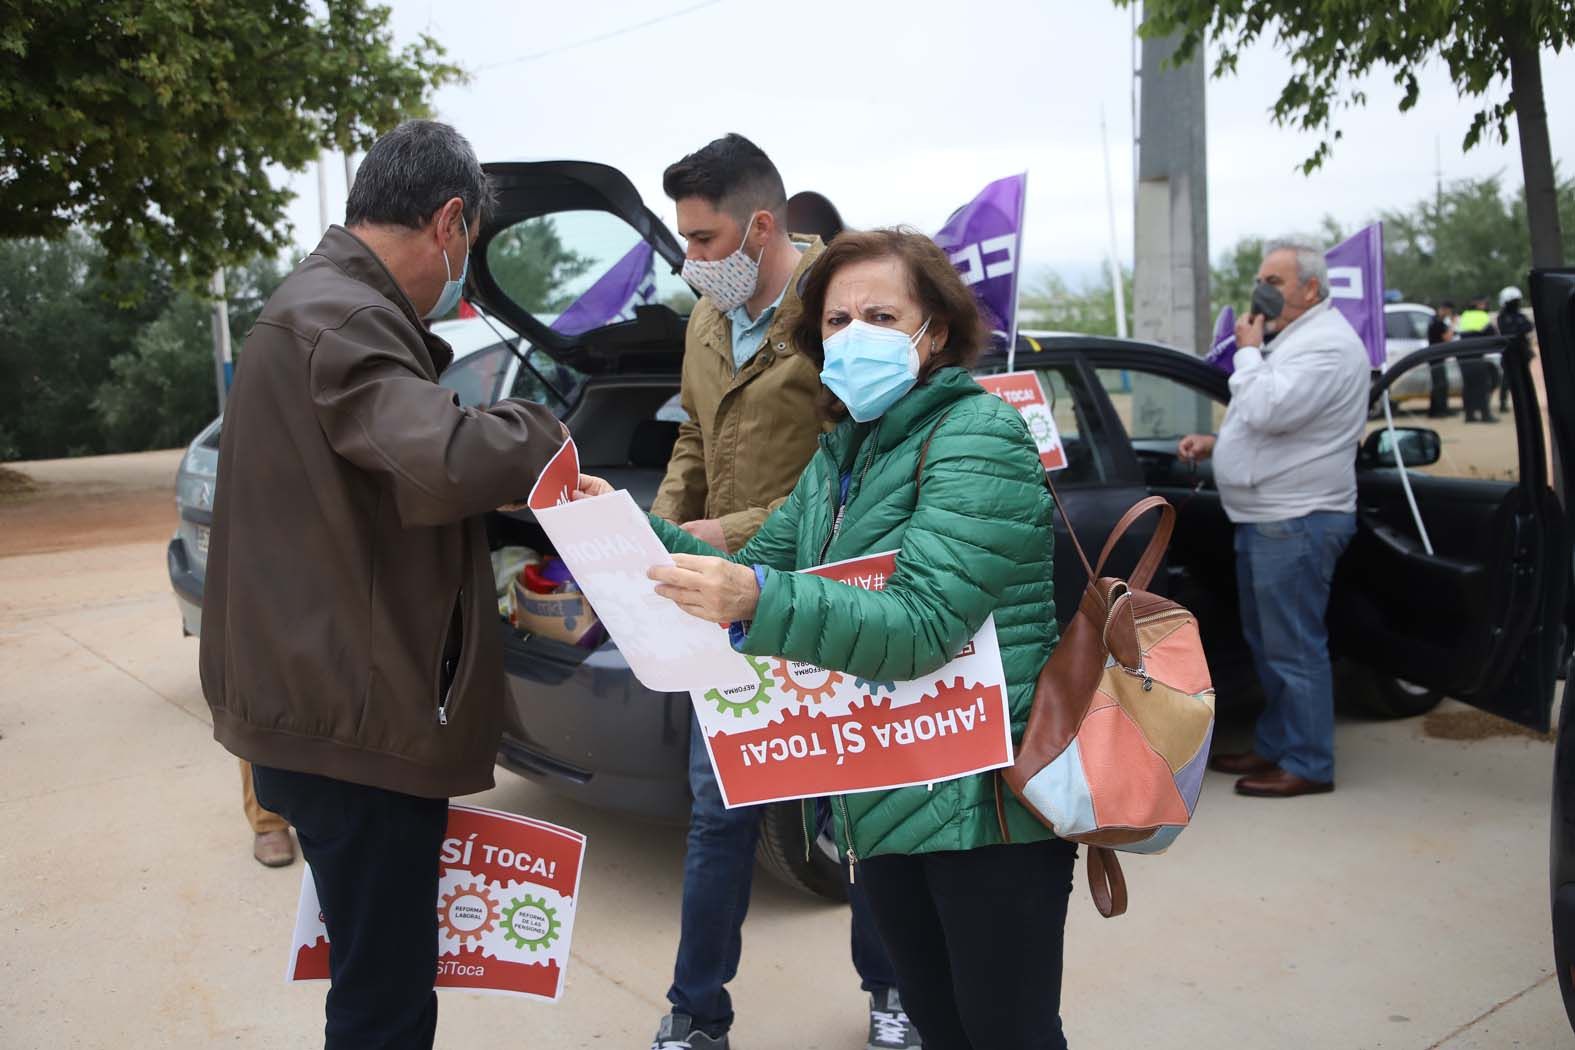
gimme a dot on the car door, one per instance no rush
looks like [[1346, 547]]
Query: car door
[[570, 257], [1553, 300], [1456, 579], [1098, 483], [1157, 396]]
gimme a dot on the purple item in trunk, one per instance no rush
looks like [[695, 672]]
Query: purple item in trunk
[[629, 283]]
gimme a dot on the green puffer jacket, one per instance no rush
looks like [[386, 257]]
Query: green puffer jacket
[[977, 543]]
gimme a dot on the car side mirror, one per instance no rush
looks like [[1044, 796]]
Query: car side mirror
[[1418, 447]]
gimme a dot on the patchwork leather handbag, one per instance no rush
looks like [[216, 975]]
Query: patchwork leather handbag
[[1123, 713]]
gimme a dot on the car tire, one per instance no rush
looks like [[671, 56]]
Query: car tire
[[781, 854], [1372, 694]]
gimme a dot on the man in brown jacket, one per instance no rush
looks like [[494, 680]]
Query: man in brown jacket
[[350, 648], [750, 398]]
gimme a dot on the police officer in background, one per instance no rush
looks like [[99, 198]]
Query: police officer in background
[[1476, 373], [1517, 327]]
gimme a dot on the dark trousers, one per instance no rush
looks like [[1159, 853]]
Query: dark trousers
[[718, 871], [975, 936], [1476, 381], [374, 858], [1438, 394]]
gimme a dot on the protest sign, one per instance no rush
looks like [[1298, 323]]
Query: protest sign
[[508, 889], [608, 544], [1023, 392], [794, 730]]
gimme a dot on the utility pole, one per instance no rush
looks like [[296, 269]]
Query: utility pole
[[1170, 295], [222, 368], [322, 195]]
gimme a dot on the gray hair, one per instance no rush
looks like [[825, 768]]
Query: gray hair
[[411, 172], [1310, 264]]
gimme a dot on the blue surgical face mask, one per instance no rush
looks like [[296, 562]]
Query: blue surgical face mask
[[448, 298], [869, 368]]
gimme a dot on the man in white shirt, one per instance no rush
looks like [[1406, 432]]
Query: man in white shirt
[[1285, 465]]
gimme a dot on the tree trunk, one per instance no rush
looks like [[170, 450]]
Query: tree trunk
[[1536, 155]]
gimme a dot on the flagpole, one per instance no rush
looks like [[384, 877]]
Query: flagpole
[[1017, 280], [1110, 209]]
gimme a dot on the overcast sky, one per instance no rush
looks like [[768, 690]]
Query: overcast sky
[[901, 110]]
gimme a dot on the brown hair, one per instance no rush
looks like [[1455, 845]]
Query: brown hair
[[932, 280]]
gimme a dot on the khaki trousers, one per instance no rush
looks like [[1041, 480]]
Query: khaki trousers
[[260, 819]]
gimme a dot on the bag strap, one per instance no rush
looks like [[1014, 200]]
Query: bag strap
[[1106, 883], [1148, 564], [924, 451], [1060, 508]]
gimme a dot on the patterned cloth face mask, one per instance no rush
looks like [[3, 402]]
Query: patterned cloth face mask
[[728, 282]]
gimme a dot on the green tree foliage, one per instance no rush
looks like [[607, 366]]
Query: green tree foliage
[[156, 121], [532, 265], [1051, 302], [1332, 44], [64, 314], [161, 392], [1470, 240], [97, 356], [1467, 240]]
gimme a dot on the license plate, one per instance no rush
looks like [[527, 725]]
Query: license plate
[[202, 541]]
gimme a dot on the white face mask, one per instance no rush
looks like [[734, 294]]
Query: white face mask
[[727, 282]]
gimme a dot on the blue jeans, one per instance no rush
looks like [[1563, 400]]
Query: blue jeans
[[718, 869], [1283, 573]]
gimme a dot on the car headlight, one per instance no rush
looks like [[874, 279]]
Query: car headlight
[[199, 470]]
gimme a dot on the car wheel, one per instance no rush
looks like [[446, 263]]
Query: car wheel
[[1371, 694], [781, 853]]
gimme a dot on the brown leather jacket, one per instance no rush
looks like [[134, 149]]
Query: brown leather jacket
[[750, 432], [349, 624]]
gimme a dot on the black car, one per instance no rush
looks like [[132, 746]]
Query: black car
[[1481, 616]]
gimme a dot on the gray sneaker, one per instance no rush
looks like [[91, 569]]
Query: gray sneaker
[[890, 1028], [677, 1032]]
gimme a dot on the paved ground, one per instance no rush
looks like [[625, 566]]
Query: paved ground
[[1407, 910]]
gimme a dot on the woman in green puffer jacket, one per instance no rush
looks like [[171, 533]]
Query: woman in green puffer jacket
[[969, 890]]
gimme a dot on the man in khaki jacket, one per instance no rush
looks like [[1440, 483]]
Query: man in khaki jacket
[[350, 646], [750, 398]]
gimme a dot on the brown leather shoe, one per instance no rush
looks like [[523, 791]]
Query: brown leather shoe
[[1280, 784], [274, 849], [1245, 764]]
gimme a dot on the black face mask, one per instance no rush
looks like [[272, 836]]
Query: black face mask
[[1267, 300]]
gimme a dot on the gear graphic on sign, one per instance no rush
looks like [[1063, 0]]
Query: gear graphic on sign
[[446, 918], [874, 685], [529, 923], [807, 694], [957, 691], [1038, 425], [760, 695]]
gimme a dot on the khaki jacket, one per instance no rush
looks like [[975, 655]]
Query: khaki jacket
[[349, 620], [749, 433]]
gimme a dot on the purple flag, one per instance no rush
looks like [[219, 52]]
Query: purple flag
[[1222, 349], [630, 283], [1356, 287], [983, 238]]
